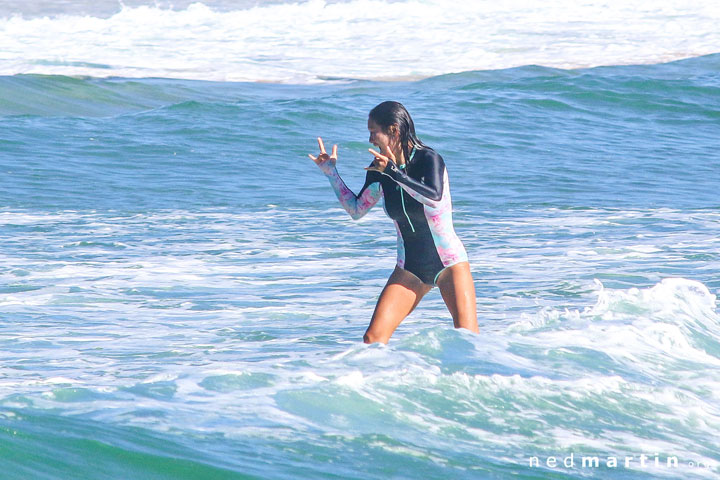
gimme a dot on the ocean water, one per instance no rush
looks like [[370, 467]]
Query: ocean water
[[182, 297]]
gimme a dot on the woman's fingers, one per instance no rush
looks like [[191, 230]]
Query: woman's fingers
[[389, 153], [323, 156], [380, 162], [377, 154]]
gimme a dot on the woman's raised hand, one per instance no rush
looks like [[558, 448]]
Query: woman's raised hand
[[324, 161], [381, 161]]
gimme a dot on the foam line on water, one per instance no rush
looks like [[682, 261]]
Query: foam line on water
[[317, 41]]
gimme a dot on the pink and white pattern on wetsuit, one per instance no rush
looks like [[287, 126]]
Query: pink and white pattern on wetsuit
[[355, 206], [439, 217]]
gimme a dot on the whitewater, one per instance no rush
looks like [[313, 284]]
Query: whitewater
[[319, 41], [182, 297]]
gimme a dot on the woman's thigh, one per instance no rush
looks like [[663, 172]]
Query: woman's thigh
[[400, 296], [458, 291]]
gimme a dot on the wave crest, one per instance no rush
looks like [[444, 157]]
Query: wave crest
[[315, 41]]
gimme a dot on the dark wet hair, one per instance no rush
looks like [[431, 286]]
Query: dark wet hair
[[394, 113]]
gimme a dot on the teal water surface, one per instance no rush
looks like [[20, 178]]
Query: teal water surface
[[182, 297]]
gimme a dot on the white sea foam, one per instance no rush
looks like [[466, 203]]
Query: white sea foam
[[278, 356], [315, 40]]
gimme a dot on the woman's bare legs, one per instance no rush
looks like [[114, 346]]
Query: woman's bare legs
[[400, 296], [458, 290], [404, 291]]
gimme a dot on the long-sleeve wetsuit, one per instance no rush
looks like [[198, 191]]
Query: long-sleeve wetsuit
[[417, 198]]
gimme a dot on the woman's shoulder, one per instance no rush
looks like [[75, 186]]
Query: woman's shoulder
[[426, 155]]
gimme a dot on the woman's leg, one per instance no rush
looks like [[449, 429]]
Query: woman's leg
[[400, 296], [458, 290]]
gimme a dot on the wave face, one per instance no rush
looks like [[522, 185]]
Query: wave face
[[612, 137], [317, 41]]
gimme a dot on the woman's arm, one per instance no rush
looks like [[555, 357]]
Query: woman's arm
[[356, 205], [430, 169], [429, 189]]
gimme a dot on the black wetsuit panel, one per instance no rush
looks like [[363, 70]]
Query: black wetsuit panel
[[425, 175]]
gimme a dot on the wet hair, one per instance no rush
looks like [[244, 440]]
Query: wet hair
[[394, 113]]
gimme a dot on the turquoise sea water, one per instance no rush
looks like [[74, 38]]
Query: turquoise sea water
[[182, 296]]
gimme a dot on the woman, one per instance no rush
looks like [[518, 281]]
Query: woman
[[413, 181]]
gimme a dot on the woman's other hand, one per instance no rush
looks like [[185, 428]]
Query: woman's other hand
[[381, 161]]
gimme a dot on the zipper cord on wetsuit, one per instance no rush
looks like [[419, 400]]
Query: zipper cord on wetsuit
[[402, 198]]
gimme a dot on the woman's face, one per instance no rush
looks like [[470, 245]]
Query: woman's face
[[379, 138]]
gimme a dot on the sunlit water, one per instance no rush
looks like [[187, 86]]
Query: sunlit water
[[182, 297]]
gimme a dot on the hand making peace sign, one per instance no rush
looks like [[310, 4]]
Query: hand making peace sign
[[381, 161], [324, 161]]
